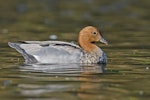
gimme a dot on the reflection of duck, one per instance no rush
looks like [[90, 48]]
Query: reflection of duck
[[78, 69], [64, 52], [89, 69], [79, 79]]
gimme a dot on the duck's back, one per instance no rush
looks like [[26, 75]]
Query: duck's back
[[48, 51]]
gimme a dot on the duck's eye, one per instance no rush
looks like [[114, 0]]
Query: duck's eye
[[94, 33]]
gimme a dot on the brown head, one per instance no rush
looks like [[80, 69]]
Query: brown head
[[88, 36]]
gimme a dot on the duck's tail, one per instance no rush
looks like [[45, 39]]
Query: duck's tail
[[29, 59]]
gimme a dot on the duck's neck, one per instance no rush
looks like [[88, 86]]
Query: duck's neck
[[87, 46]]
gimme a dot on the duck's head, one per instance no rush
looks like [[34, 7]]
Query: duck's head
[[91, 34], [88, 36]]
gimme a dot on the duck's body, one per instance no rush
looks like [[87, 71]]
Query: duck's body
[[62, 52]]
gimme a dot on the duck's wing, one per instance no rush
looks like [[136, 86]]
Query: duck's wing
[[48, 51], [51, 43]]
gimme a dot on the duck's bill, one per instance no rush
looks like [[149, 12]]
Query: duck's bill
[[103, 41]]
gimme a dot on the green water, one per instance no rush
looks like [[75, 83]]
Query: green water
[[124, 23]]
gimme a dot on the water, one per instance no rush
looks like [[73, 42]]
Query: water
[[124, 23]]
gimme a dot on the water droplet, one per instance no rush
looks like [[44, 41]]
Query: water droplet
[[56, 76], [6, 82], [147, 68], [53, 37], [21, 8], [141, 92], [66, 78], [5, 31]]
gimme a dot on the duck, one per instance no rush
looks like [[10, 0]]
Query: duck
[[56, 52]]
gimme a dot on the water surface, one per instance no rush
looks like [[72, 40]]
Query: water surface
[[124, 23]]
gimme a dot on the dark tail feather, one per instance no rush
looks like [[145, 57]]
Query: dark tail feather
[[28, 58]]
